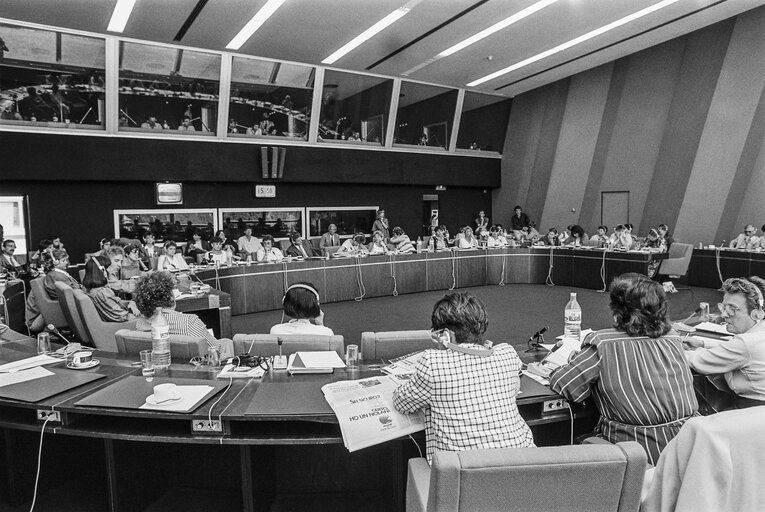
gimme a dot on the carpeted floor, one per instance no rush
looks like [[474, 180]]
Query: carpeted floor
[[515, 311]]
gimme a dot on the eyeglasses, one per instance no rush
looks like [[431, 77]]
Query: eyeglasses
[[728, 309], [749, 232]]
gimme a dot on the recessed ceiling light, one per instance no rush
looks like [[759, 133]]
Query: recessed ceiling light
[[371, 31], [573, 42], [518, 16], [254, 24], [120, 15]]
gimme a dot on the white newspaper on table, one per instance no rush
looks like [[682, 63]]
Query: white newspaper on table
[[364, 409]]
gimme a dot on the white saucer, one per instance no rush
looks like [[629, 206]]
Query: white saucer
[[150, 400], [91, 364]]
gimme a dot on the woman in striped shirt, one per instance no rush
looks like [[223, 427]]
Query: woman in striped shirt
[[636, 372]]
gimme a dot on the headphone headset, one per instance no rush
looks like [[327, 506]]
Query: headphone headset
[[443, 338], [304, 287], [757, 314]]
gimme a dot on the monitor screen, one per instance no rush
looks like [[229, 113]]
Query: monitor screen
[[169, 193]]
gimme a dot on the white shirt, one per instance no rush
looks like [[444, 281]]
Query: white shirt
[[301, 326], [273, 254]]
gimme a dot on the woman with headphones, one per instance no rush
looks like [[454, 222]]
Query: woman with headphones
[[741, 359], [301, 304]]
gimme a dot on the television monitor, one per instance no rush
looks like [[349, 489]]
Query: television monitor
[[168, 193]]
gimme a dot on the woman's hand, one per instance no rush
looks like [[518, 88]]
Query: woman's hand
[[133, 308]]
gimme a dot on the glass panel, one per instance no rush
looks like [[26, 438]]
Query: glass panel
[[484, 122], [354, 108], [51, 79], [349, 220], [425, 115], [12, 220], [176, 225], [168, 89], [277, 222], [270, 99]]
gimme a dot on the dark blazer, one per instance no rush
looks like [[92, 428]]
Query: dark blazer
[[293, 250]]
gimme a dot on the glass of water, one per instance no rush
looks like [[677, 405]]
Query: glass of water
[[147, 364], [43, 343]]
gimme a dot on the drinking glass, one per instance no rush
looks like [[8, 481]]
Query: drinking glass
[[352, 356], [43, 343], [147, 364]]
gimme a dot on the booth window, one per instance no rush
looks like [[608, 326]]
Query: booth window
[[483, 123], [425, 116], [50, 79], [168, 89]]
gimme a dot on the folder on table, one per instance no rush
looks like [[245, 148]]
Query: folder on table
[[314, 362]]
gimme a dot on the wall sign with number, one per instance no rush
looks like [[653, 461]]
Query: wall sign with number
[[265, 190]]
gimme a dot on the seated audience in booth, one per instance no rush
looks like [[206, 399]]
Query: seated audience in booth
[[552, 239], [156, 291], [217, 255], [196, 245], [495, 240], [466, 387], [248, 245], [186, 125], [519, 220], [482, 221], [9, 264], [635, 372], [302, 306], [56, 271], [402, 242], [378, 245], [600, 239], [746, 240], [381, 224], [300, 247], [439, 241], [268, 253], [737, 365], [620, 238], [465, 238], [171, 260], [354, 245], [578, 236], [151, 123], [667, 239], [108, 305], [226, 244], [132, 266], [103, 245], [330, 238]]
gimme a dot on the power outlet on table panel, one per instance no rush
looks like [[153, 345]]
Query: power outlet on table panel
[[559, 404], [43, 415], [206, 426]]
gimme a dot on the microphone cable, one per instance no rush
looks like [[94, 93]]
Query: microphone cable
[[416, 444], [603, 273], [549, 280], [359, 281], [454, 268], [502, 276], [39, 461], [718, 250], [393, 273], [220, 416]]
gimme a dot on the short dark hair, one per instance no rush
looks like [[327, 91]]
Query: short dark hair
[[360, 238], [576, 229], [398, 231], [154, 291], [95, 273], [517, 207], [8, 241], [267, 238], [302, 303], [639, 306], [216, 240], [745, 286], [294, 235], [463, 314], [170, 243], [129, 249], [44, 244], [604, 228]]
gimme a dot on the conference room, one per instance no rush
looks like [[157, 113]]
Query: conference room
[[380, 154]]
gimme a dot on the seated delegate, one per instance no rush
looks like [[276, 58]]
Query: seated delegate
[[439, 241], [156, 291], [248, 245], [330, 238], [302, 306], [746, 240], [55, 267], [132, 266], [300, 248], [354, 246], [401, 241], [216, 255], [268, 253], [635, 372], [467, 388], [465, 239], [110, 308], [378, 245], [738, 364], [171, 260]]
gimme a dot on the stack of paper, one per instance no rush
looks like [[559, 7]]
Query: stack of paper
[[560, 356], [314, 362], [365, 412], [403, 365], [715, 328], [29, 362]]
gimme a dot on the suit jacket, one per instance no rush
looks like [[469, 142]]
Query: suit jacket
[[326, 240], [8, 267], [193, 250], [294, 250]]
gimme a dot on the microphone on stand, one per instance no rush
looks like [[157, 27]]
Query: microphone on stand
[[52, 328], [70, 347], [539, 333], [539, 336]]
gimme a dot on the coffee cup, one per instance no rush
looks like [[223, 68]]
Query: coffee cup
[[82, 358], [165, 392]]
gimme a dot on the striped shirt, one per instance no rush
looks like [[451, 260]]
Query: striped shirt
[[181, 323], [469, 400], [642, 387]]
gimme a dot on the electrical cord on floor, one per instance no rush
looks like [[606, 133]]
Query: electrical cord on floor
[[571, 415], [416, 444], [549, 280], [360, 282], [39, 461], [393, 274]]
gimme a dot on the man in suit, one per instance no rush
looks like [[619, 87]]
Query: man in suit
[[8, 262], [300, 247], [330, 238]]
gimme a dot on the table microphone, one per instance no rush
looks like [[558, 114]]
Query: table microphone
[[539, 333], [52, 328]]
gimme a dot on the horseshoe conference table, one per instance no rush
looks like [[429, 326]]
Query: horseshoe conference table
[[260, 287], [276, 444]]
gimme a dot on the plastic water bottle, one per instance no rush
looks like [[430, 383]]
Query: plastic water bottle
[[419, 245], [572, 319], [160, 340]]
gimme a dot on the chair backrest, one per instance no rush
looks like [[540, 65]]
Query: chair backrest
[[50, 309], [583, 477], [679, 250], [679, 259], [330, 249], [390, 344], [182, 348], [714, 463], [72, 314], [101, 333], [267, 344]]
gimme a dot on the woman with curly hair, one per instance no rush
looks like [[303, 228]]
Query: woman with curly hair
[[155, 291], [636, 371]]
